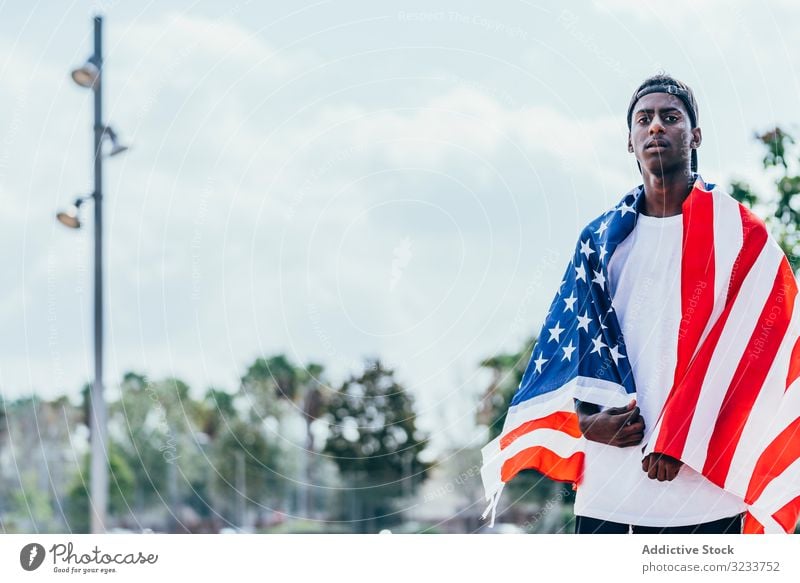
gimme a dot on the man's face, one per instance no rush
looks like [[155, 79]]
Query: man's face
[[661, 135]]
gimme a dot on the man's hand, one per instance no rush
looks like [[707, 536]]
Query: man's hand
[[661, 467], [617, 426]]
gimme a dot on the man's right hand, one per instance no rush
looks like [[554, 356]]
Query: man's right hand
[[617, 426]]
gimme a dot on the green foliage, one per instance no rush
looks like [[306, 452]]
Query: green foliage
[[35, 436], [28, 506], [742, 192], [245, 468], [218, 454], [374, 440], [144, 416], [121, 479], [777, 143], [782, 163], [224, 458], [3, 420], [270, 379], [216, 409]]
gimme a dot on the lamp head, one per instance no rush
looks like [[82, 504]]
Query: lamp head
[[87, 75], [70, 217], [116, 146]]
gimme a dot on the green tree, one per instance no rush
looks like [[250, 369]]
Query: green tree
[[267, 382], [374, 440], [156, 424], [29, 507], [246, 470], [37, 435], [283, 397], [782, 163], [214, 415], [139, 418], [215, 411], [121, 480]]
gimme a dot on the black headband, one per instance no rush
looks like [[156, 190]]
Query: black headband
[[678, 92]]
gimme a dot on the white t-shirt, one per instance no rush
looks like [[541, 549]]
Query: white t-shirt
[[644, 281]]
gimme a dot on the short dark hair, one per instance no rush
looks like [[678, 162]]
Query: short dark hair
[[663, 83]]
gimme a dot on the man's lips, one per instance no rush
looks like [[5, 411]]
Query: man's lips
[[657, 144]]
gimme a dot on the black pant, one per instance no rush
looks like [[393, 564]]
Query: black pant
[[586, 525]]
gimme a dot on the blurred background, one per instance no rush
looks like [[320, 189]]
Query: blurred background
[[333, 233]]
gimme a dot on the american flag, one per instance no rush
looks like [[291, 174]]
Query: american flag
[[733, 412]]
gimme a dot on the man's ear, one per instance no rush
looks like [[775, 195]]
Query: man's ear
[[697, 138], [630, 144]]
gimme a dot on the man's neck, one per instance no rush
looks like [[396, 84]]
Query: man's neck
[[664, 194]]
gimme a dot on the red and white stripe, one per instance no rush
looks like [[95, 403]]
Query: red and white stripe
[[543, 434], [735, 352], [536, 435]]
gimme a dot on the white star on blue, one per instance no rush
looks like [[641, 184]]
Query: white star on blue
[[581, 336]]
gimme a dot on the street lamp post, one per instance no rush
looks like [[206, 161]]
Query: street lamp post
[[90, 76], [99, 419]]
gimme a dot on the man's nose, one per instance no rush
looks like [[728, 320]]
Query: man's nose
[[656, 127]]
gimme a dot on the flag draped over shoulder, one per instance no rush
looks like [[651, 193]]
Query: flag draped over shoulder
[[733, 412]]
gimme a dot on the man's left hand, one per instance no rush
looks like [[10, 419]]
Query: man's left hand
[[661, 467]]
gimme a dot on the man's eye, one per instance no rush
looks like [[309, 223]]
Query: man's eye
[[671, 118], [643, 120]]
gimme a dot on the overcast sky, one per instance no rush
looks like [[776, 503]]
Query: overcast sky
[[335, 180]]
